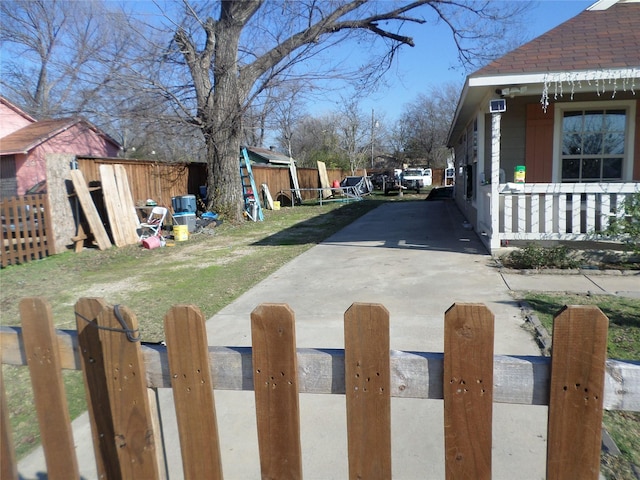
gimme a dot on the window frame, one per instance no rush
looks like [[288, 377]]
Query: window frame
[[629, 106]]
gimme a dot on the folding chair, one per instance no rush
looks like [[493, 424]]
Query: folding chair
[[153, 226]]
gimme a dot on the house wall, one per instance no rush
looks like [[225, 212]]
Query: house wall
[[10, 120], [540, 131], [77, 140], [527, 137]]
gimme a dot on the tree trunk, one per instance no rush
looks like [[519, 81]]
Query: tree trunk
[[225, 188]]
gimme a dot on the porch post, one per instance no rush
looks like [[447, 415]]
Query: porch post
[[495, 181]]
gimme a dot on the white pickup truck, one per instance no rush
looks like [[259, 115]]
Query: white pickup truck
[[416, 178]]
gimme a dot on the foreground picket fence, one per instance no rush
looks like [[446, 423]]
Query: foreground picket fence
[[577, 383]]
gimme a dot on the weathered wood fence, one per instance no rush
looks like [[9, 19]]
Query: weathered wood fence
[[577, 382], [26, 227]]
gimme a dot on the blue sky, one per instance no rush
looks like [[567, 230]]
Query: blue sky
[[432, 61]]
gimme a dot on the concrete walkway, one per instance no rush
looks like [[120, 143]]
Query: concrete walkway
[[416, 259]]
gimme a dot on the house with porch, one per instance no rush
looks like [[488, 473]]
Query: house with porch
[[547, 137], [25, 143]]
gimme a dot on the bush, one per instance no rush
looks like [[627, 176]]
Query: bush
[[536, 256], [627, 228]]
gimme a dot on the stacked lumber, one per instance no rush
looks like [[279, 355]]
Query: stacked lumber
[[119, 204], [90, 211]]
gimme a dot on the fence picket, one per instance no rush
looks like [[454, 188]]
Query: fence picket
[[368, 387], [468, 391], [8, 466], [123, 427], [188, 354], [126, 382], [93, 371], [576, 394], [275, 379], [43, 357]]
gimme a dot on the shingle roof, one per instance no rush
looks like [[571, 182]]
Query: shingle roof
[[271, 156], [592, 40], [29, 137]]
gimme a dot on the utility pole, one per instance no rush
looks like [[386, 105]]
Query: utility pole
[[372, 134]]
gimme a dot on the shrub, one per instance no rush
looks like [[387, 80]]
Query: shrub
[[536, 256], [627, 228]]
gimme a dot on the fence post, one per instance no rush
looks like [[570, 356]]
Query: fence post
[[275, 380], [43, 358], [95, 382], [368, 390], [188, 354], [8, 466], [468, 391], [578, 359], [126, 382]]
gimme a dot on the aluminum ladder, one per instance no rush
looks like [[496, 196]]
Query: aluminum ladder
[[250, 195]]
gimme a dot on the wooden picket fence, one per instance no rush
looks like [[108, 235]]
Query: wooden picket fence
[[577, 383], [26, 229]]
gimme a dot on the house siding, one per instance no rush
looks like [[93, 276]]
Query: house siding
[[636, 153], [77, 140], [512, 137], [11, 121], [539, 144]]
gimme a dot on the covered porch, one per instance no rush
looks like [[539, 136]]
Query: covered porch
[[550, 211]]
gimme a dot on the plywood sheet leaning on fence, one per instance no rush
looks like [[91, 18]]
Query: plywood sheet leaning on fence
[[275, 379], [468, 391], [43, 357], [268, 200], [188, 353], [368, 391], [129, 215], [122, 229], [324, 180], [90, 210], [576, 394]]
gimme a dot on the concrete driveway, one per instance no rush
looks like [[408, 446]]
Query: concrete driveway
[[416, 259]]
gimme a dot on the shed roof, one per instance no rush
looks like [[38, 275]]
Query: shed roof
[[271, 156], [29, 137]]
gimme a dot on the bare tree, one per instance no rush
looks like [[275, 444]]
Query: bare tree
[[227, 76], [354, 133], [53, 53], [316, 139], [421, 131], [211, 63]]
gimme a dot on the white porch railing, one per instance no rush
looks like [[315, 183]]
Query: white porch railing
[[556, 211]]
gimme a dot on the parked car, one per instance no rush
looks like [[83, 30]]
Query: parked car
[[427, 177]]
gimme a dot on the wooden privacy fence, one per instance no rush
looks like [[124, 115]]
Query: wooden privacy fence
[[26, 227], [577, 383]]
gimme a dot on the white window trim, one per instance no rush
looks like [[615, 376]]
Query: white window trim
[[560, 108]]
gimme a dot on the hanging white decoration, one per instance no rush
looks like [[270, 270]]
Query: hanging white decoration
[[602, 79]]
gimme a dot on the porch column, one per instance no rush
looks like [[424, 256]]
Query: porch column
[[495, 181]]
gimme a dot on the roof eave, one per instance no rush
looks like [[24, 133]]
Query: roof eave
[[13, 152], [476, 88], [568, 76]]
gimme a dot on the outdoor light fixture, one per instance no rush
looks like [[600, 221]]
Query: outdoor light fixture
[[498, 105]]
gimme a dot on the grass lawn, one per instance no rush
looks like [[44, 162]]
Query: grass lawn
[[623, 344], [209, 270]]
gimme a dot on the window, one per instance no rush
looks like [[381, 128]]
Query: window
[[593, 145], [8, 180]]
